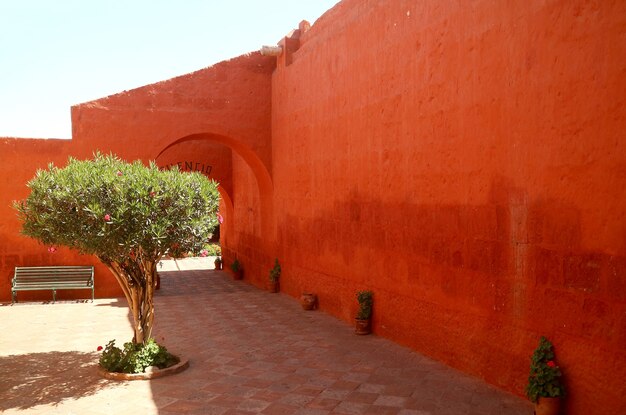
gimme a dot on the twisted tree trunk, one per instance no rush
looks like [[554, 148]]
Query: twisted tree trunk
[[137, 278]]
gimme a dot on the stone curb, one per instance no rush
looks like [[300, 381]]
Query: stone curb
[[179, 367]]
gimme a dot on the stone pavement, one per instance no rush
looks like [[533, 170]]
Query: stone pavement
[[250, 352]]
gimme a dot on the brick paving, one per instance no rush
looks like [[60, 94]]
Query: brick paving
[[250, 352]]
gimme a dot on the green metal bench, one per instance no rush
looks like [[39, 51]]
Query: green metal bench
[[52, 278]]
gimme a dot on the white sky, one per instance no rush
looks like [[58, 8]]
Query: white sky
[[58, 53]]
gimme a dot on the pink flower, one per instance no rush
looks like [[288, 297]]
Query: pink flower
[[119, 173], [99, 348], [551, 364], [152, 194], [204, 252], [107, 217], [220, 218], [52, 249]]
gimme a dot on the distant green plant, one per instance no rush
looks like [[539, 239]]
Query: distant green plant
[[544, 379], [236, 266], [218, 260], [366, 302], [136, 357], [213, 249], [275, 272]]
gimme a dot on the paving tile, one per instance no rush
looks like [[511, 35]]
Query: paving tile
[[351, 408], [388, 400], [250, 352], [363, 397], [279, 409]]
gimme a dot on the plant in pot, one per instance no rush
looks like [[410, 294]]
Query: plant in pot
[[218, 263], [364, 315], [237, 269], [308, 301], [544, 384], [274, 277]]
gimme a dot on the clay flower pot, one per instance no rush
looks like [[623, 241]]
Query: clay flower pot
[[548, 406], [274, 286], [238, 275], [218, 265], [308, 301], [362, 327]]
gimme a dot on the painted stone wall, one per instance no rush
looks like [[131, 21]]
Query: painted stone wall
[[20, 160], [466, 161], [198, 119]]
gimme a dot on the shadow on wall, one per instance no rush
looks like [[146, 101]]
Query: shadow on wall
[[47, 378]]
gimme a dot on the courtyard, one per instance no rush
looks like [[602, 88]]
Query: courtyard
[[250, 352]]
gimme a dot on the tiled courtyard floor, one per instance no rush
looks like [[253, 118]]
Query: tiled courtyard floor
[[250, 352]]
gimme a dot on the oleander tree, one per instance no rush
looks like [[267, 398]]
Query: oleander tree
[[127, 214]]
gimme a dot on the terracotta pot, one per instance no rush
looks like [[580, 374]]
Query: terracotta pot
[[218, 266], [362, 326], [548, 406], [274, 286], [238, 275], [308, 301]]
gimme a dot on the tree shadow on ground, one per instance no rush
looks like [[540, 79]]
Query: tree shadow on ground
[[47, 378]]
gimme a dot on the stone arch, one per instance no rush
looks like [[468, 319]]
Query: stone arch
[[258, 168]]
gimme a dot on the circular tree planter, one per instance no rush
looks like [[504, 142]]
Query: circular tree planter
[[150, 374]]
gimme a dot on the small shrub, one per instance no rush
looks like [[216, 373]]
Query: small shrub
[[275, 272], [213, 249], [236, 266], [366, 301], [544, 379], [136, 357]]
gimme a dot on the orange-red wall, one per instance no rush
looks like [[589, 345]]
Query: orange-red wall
[[198, 117], [19, 161], [464, 160]]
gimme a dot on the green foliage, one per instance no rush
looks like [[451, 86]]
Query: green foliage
[[544, 379], [136, 357], [236, 266], [366, 302], [213, 249], [275, 272], [218, 260], [117, 210]]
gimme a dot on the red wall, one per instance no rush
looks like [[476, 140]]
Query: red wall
[[199, 117], [19, 161], [464, 160]]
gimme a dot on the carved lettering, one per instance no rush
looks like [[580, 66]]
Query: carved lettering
[[190, 166]]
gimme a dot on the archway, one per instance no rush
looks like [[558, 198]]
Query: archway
[[214, 165]]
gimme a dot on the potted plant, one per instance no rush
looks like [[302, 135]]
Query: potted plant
[[308, 301], [237, 269], [218, 263], [364, 315], [544, 384], [274, 277]]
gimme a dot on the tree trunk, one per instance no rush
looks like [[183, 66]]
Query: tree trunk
[[138, 281]]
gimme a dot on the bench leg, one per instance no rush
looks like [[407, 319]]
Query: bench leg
[[54, 295], [13, 297]]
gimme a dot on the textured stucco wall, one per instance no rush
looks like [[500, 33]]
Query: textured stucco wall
[[201, 117], [466, 161]]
